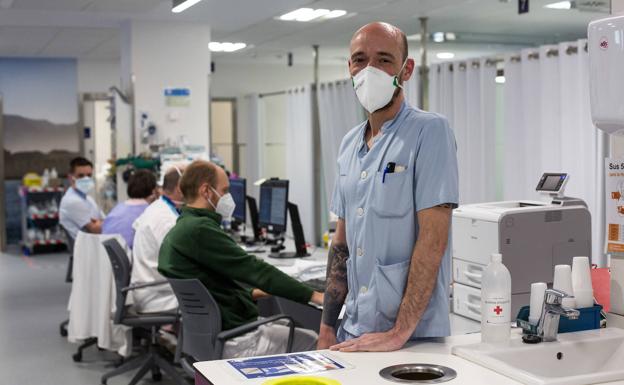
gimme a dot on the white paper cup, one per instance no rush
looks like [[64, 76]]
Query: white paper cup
[[537, 301], [581, 275], [563, 281]]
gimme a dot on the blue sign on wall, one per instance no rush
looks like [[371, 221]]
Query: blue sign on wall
[[177, 97]]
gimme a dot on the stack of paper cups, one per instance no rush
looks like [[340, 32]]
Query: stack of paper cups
[[563, 282], [581, 282], [537, 300]]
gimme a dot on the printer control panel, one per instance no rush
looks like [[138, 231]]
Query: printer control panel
[[552, 183]]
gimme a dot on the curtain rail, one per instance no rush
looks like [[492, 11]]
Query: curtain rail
[[276, 93], [570, 50]]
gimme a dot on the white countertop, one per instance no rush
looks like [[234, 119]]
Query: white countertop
[[366, 366]]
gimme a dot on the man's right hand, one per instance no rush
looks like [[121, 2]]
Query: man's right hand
[[327, 337], [94, 227], [317, 298]]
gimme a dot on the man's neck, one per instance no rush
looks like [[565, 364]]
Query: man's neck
[[379, 117], [198, 204]]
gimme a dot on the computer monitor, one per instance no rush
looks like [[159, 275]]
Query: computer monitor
[[301, 248], [238, 189], [273, 205], [253, 215]]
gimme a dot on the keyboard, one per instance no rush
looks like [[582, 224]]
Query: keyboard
[[317, 284]]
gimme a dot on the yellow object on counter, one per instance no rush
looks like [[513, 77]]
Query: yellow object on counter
[[32, 179], [302, 380]]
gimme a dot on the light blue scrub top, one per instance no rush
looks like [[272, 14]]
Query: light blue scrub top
[[381, 222]]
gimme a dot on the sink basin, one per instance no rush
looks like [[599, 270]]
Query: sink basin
[[586, 357]]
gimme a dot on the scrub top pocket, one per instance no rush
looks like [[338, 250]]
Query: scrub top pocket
[[390, 281], [393, 197]]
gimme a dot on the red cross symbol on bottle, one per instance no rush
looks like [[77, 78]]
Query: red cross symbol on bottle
[[498, 310]]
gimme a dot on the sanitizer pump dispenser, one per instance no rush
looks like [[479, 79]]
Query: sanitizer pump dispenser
[[605, 45]]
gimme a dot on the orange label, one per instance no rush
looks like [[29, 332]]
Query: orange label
[[614, 232], [614, 247], [615, 195]]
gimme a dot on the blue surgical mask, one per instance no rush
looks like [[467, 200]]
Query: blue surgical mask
[[85, 184]]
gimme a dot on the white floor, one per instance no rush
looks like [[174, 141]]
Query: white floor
[[33, 302]]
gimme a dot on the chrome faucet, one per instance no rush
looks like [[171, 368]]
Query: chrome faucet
[[552, 310]]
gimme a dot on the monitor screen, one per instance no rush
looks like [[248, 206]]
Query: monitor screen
[[551, 182], [238, 189], [273, 204]]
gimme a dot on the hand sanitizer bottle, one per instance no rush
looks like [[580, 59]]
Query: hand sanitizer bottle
[[495, 302]]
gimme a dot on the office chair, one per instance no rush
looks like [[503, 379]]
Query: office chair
[[149, 324], [201, 337]]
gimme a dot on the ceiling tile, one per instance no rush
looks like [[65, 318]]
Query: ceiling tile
[[77, 41], [26, 41], [52, 5], [124, 6]]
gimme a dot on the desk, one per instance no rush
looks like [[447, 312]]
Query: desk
[[290, 266], [309, 316], [306, 316]]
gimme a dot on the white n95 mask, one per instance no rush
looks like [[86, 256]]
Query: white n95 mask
[[85, 184], [375, 88], [225, 205]]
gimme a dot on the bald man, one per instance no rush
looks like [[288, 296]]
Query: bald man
[[389, 262]]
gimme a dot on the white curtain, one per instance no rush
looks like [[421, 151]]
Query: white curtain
[[339, 112], [300, 156], [548, 128], [249, 141], [466, 94], [514, 160], [410, 88]]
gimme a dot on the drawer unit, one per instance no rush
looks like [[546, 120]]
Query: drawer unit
[[467, 301], [467, 273]]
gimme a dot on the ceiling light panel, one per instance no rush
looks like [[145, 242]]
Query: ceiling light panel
[[215, 46], [445, 55], [559, 5], [309, 14]]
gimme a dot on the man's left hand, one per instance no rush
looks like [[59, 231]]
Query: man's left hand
[[373, 342]]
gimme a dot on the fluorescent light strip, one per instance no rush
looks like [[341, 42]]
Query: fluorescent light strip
[[184, 6], [500, 79], [559, 5]]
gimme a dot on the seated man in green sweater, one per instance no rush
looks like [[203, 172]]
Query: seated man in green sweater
[[197, 247]]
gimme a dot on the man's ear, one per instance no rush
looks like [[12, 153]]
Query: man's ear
[[409, 70]]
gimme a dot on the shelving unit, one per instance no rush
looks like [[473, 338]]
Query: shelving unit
[[41, 232]]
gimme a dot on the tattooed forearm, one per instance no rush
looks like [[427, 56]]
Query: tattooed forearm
[[336, 287]]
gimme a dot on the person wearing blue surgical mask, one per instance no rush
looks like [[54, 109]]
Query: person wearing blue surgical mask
[[396, 185], [78, 210]]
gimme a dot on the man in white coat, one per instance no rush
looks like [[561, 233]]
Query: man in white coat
[[151, 228]]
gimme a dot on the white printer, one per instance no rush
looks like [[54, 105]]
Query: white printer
[[532, 236]]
